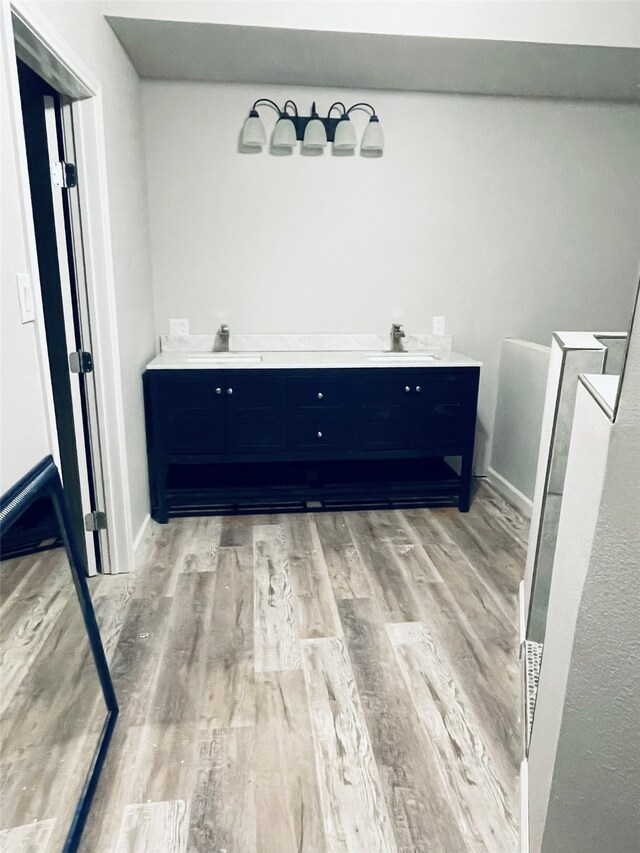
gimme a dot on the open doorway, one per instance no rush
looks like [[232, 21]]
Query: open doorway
[[48, 133]]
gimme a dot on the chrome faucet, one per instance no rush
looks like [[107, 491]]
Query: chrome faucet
[[222, 339], [397, 334]]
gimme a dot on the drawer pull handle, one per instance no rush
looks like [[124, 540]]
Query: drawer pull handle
[[218, 390], [320, 395], [418, 389], [229, 390], [319, 434], [407, 388]]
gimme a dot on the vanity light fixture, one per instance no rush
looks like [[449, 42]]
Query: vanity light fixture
[[313, 131]]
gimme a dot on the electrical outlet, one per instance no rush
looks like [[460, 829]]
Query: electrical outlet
[[25, 295], [438, 327], [178, 327]]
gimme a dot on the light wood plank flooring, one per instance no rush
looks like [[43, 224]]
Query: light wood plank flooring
[[51, 705], [322, 683]]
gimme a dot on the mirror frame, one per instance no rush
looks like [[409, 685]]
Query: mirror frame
[[44, 481]]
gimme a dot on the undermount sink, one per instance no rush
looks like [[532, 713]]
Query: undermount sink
[[402, 356], [223, 358]]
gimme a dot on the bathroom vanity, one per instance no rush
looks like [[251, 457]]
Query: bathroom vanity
[[287, 431]]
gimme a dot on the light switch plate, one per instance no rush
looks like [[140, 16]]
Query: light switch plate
[[25, 295], [178, 327], [438, 327]]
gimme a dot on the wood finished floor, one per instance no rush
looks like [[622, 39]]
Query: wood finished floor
[[316, 683]]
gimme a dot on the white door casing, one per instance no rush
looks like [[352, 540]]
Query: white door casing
[[26, 33]]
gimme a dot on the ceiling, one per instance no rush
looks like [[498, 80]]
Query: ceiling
[[182, 50]]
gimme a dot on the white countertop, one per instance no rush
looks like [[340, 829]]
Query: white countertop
[[303, 359]]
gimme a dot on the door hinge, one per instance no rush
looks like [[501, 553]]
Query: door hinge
[[64, 175], [80, 362], [95, 521]]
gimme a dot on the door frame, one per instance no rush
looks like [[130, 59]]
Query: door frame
[[29, 35]]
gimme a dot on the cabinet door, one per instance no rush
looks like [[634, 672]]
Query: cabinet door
[[384, 411], [196, 430], [255, 414], [194, 414], [442, 410]]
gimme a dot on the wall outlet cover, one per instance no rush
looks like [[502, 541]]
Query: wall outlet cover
[[438, 327], [178, 327]]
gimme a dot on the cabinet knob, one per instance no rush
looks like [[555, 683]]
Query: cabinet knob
[[319, 434], [229, 390], [418, 389], [407, 388], [218, 390], [320, 395]]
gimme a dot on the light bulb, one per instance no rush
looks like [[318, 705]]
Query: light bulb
[[345, 137], [373, 137], [315, 135], [253, 132], [284, 134]]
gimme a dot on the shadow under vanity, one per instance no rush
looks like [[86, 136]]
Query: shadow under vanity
[[304, 423]]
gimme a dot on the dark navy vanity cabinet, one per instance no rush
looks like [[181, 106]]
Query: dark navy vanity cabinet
[[267, 440]]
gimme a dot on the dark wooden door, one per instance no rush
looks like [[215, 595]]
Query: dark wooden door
[[384, 411]]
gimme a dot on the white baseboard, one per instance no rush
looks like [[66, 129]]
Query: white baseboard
[[138, 541], [510, 493], [524, 807], [521, 613]]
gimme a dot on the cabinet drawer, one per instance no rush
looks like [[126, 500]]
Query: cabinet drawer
[[318, 432], [317, 392]]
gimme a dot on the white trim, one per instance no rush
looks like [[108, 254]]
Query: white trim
[[55, 61], [522, 613], [48, 54], [140, 536], [94, 202], [510, 493], [524, 807]]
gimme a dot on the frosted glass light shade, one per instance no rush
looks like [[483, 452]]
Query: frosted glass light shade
[[284, 134], [373, 137], [253, 132], [345, 137], [315, 136]]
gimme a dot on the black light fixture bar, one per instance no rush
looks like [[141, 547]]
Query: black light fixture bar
[[300, 122]]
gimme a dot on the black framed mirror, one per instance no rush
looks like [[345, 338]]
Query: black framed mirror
[[58, 707]]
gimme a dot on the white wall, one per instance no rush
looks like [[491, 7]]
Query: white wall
[[595, 791], [84, 30], [510, 217], [23, 415], [522, 381], [604, 22]]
